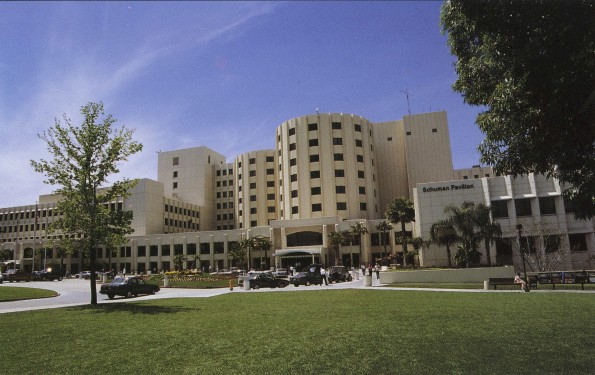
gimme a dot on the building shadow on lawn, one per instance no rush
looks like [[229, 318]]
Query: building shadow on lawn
[[133, 308]]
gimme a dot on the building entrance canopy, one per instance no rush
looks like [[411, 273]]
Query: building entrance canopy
[[297, 257]]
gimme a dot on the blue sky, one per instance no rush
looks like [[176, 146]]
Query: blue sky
[[221, 75]]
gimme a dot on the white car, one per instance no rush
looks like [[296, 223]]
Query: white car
[[83, 275]]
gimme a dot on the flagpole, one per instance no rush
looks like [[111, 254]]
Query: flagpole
[[33, 260]]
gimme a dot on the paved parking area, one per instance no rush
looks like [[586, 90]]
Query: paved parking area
[[75, 292]]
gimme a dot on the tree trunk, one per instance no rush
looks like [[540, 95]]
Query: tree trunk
[[449, 256], [93, 261], [487, 243], [404, 241]]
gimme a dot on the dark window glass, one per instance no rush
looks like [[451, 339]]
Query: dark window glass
[[312, 127], [360, 174], [315, 191], [338, 157], [339, 189], [339, 173], [314, 158], [341, 206], [269, 159], [547, 205], [294, 193], [252, 161], [313, 142], [314, 174], [499, 209], [291, 131], [358, 143], [337, 141], [294, 210], [362, 190], [523, 207], [578, 241], [336, 125], [293, 177], [292, 162], [357, 127], [316, 207], [360, 158], [292, 146]]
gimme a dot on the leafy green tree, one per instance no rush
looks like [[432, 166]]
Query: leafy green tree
[[358, 230], [384, 227], [336, 239], [247, 245], [532, 65], [443, 233], [401, 211], [237, 254], [179, 262], [83, 159]]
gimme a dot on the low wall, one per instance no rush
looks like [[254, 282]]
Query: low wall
[[459, 275]]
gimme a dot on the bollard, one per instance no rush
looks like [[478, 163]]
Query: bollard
[[230, 285], [486, 285], [165, 281], [104, 277], [367, 280], [247, 283]]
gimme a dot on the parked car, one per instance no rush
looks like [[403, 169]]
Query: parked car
[[309, 276], [47, 274], [338, 274], [16, 275], [267, 280], [128, 286], [83, 275]]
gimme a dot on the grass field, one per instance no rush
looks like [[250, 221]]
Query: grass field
[[13, 293], [310, 332]]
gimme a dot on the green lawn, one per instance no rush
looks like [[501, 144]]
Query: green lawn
[[14, 293], [310, 332]]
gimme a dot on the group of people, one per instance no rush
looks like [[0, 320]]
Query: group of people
[[370, 269]]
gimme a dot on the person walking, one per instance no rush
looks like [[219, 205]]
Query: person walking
[[323, 274]]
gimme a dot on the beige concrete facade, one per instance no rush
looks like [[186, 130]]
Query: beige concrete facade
[[533, 201], [476, 171]]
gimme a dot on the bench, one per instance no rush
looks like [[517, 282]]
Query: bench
[[495, 281], [579, 277]]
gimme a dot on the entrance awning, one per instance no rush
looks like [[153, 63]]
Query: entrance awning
[[298, 251]]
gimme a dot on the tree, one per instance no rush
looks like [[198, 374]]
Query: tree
[[464, 222], [443, 233], [358, 230], [385, 227], [247, 245], [401, 211], [532, 65], [237, 254], [265, 244], [488, 229], [179, 262], [336, 239], [83, 159]]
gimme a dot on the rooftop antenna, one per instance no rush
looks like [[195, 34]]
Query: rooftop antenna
[[407, 94], [317, 111]]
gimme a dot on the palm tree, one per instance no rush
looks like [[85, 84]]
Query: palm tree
[[237, 254], [488, 230], [385, 227], [179, 261], [401, 211], [358, 230], [464, 221], [263, 243], [247, 245], [336, 239], [443, 233]]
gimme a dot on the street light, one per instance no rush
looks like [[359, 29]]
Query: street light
[[519, 228]]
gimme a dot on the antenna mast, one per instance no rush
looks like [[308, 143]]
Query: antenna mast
[[407, 95]]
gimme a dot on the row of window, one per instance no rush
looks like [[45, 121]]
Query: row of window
[[48, 212], [182, 224], [181, 211], [223, 172], [547, 206]]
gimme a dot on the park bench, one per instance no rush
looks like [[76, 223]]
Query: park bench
[[560, 277], [495, 281]]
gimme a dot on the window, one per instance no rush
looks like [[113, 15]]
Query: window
[[252, 161], [408, 133], [176, 160], [316, 207], [252, 173], [341, 206], [357, 127], [434, 130], [358, 143], [224, 172], [271, 209], [294, 209], [312, 127], [271, 196], [363, 206], [499, 209], [547, 205], [338, 157], [292, 146], [175, 174], [339, 189], [336, 125], [337, 141], [360, 158], [315, 191], [551, 243], [523, 207], [568, 205], [294, 193], [475, 176], [293, 178], [293, 162], [269, 159], [313, 142], [291, 131], [270, 183], [253, 210], [314, 158], [314, 174], [175, 185], [339, 173], [253, 198], [578, 241], [360, 174], [270, 171], [389, 139], [362, 190], [252, 185]]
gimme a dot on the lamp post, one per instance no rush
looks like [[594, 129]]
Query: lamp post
[[519, 228]]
